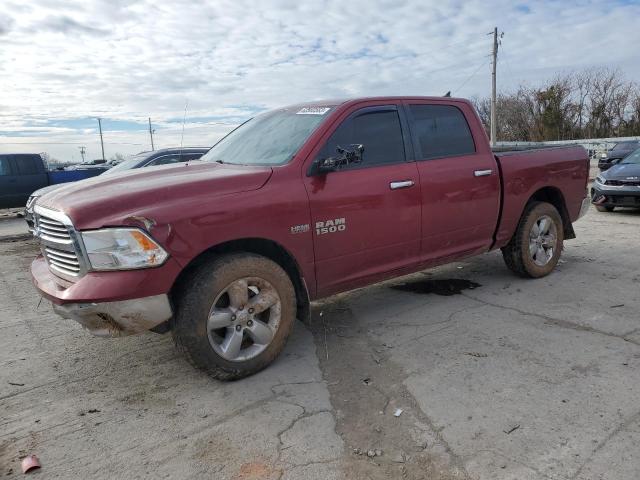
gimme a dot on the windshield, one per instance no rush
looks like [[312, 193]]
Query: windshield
[[272, 138], [625, 147], [128, 164], [633, 158]]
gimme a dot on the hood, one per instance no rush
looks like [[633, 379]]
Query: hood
[[622, 171], [106, 200], [41, 191]]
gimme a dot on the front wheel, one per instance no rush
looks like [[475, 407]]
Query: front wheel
[[234, 314], [534, 250]]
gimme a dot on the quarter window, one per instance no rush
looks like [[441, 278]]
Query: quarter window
[[442, 131], [378, 131]]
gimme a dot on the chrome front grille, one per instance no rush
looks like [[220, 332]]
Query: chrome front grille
[[52, 230], [62, 261], [58, 243]]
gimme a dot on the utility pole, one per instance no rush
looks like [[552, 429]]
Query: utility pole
[[101, 141], [83, 149], [151, 134], [493, 87]]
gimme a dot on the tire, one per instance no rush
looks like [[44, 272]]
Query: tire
[[521, 255], [214, 319], [602, 208]]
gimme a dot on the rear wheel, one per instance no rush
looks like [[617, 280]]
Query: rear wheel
[[602, 208], [534, 250], [234, 315]]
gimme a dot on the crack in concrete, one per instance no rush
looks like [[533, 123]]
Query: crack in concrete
[[601, 445], [433, 332], [455, 460], [280, 447], [558, 322]]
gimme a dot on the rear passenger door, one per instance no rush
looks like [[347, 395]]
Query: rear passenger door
[[460, 182], [366, 216]]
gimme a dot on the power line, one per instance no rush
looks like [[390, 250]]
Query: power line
[[470, 77], [507, 63]]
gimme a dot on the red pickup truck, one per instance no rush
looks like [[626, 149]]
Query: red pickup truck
[[297, 204]]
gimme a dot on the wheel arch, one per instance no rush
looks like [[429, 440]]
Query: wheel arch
[[555, 197], [260, 246]]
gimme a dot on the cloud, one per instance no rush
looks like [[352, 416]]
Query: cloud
[[6, 22], [127, 60], [67, 25]]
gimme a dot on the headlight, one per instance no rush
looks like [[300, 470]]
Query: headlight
[[122, 249], [600, 180], [603, 155]]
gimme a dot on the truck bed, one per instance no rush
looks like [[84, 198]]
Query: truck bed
[[548, 171]]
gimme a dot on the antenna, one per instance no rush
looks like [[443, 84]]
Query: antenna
[[184, 118]]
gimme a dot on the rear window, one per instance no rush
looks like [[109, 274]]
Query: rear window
[[441, 131]]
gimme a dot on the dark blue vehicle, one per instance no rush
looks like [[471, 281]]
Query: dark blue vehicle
[[23, 173]]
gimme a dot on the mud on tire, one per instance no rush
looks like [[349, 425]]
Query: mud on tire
[[525, 258], [212, 326]]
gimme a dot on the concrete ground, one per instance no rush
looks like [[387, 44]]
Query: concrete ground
[[13, 227], [493, 377]]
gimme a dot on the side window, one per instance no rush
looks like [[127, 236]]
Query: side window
[[164, 160], [26, 164], [442, 131], [5, 166], [378, 131]]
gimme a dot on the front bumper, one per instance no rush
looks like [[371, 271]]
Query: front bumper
[[118, 319], [615, 196], [110, 303]]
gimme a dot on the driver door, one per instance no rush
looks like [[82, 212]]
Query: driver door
[[365, 216]]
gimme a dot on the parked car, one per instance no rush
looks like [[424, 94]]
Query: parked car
[[145, 159], [23, 173], [294, 205], [617, 153], [619, 186]]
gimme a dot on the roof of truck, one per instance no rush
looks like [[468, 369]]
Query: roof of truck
[[340, 101]]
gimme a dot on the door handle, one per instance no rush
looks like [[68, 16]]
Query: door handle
[[401, 184], [482, 173]]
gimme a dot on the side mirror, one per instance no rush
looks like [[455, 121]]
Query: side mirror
[[344, 156]]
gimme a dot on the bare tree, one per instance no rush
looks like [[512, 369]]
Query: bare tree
[[592, 103]]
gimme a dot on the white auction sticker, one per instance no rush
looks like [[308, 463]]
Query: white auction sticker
[[313, 111]]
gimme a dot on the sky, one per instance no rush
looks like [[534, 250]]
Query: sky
[[64, 63]]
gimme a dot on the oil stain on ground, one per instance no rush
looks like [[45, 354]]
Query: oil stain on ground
[[446, 287]]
